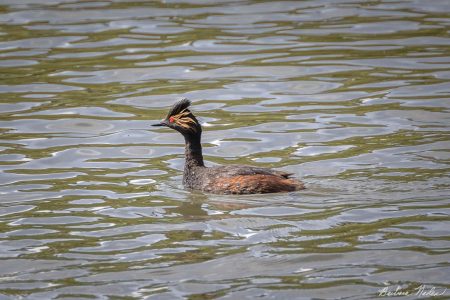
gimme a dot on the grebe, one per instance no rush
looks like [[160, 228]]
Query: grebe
[[232, 179]]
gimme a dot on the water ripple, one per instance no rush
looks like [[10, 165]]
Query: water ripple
[[352, 97]]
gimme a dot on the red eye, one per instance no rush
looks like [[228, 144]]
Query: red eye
[[171, 119]]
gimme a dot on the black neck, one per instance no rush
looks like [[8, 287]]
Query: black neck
[[193, 151]]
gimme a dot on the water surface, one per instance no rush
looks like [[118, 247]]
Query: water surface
[[350, 96]]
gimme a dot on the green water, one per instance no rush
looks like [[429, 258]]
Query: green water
[[350, 96]]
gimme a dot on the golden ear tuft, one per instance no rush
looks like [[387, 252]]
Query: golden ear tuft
[[180, 115], [184, 120]]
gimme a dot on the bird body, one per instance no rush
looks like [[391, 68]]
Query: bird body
[[231, 179], [240, 179]]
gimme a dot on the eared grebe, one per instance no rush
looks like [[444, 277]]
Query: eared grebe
[[232, 179]]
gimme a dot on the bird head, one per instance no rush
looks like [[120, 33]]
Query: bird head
[[181, 119]]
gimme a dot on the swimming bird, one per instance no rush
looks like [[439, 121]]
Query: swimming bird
[[231, 179]]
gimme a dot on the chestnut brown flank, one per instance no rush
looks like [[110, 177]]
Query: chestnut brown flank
[[254, 184]]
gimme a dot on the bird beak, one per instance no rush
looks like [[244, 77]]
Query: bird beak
[[162, 123]]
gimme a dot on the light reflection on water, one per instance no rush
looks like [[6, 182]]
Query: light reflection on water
[[352, 97]]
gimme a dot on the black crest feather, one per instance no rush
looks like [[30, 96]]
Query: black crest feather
[[179, 107]]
